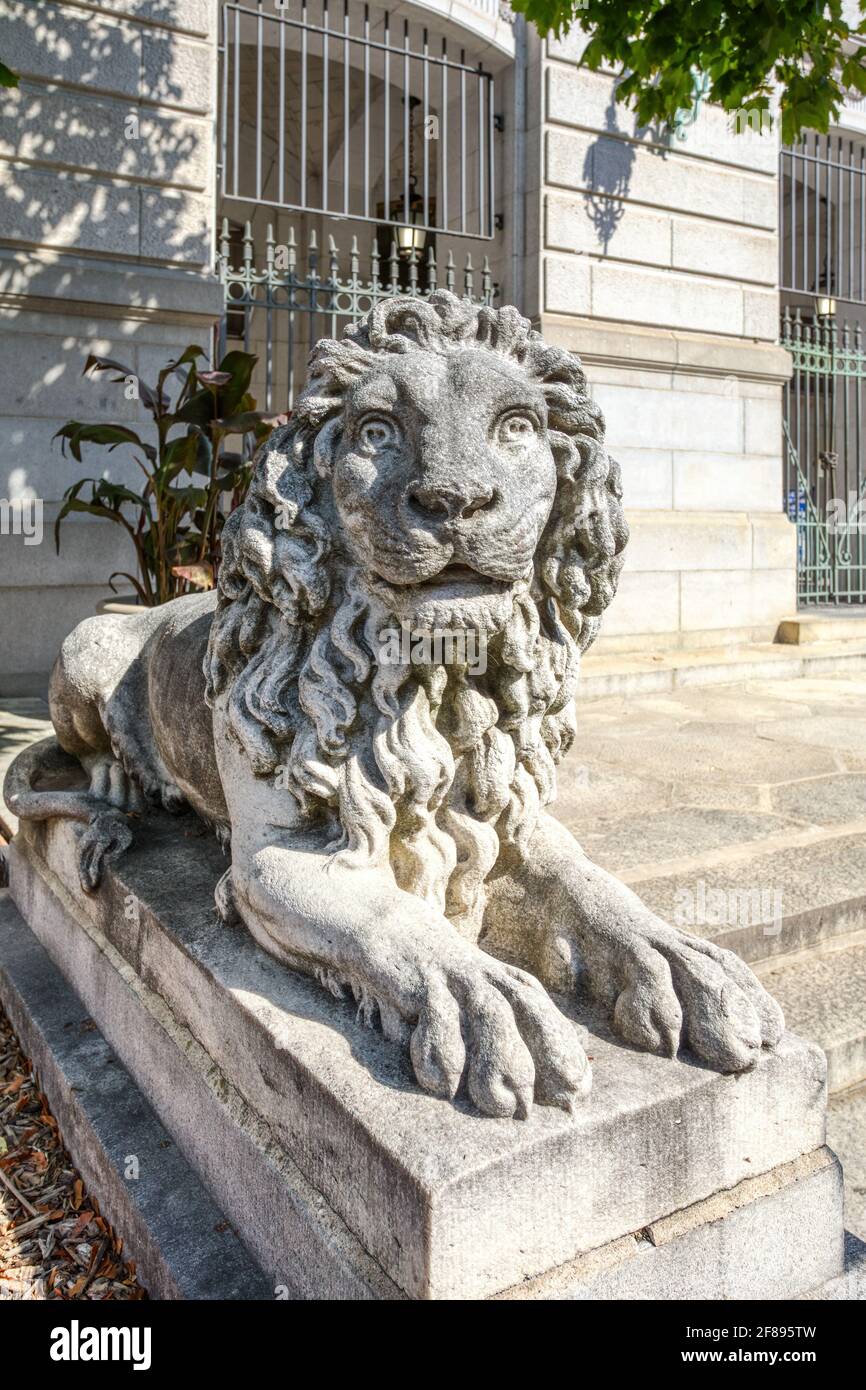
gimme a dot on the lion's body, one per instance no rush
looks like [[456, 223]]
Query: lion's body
[[444, 470], [132, 687]]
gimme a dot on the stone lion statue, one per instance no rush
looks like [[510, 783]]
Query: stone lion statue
[[444, 472]]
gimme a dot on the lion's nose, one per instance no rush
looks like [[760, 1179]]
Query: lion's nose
[[451, 502]]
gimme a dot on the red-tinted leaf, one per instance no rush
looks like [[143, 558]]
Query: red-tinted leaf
[[200, 575]]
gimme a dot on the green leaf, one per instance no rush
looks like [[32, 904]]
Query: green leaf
[[854, 74], [746, 48], [75, 434], [116, 494], [188, 357], [239, 367], [146, 394], [189, 498], [136, 584], [234, 478], [8, 78], [199, 410], [191, 451], [74, 505]]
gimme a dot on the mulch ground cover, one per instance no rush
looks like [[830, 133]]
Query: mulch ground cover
[[54, 1244]]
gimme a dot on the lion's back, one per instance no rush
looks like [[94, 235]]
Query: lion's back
[[178, 713], [134, 685]]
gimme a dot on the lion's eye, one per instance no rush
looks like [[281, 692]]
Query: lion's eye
[[376, 434], [516, 429]]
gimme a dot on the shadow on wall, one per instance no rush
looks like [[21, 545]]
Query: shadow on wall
[[95, 170], [607, 168]]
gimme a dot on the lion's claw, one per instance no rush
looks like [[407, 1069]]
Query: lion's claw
[[496, 1028], [681, 990], [437, 1049]]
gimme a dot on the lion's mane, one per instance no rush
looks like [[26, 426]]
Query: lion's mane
[[425, 769]]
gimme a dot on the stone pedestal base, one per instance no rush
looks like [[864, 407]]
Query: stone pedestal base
[[343, 1180]]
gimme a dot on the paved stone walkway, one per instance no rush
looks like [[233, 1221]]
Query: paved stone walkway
[[21, 722]]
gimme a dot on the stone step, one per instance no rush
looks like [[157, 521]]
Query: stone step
[[182, 1244], [766, 1237], [766, 900], [644, 673], [823, 626], [846, 1127], [384, 1190], [823, 995]]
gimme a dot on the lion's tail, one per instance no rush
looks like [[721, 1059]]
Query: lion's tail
[[108, 831], [41, 760]]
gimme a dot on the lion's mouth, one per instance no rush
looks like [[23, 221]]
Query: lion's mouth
[[456, 574], [463, 576], [460, 577]]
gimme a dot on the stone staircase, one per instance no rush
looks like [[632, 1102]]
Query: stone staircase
[[812, 958], [823, 994], [800, 654], [823, 625], [808, 945], [813, 643], [739, 811]]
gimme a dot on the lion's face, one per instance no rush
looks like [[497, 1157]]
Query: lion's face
[[443, 480]]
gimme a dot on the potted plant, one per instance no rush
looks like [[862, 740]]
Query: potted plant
[[191, 481]]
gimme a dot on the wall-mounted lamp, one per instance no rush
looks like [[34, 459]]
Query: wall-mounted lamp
[[825, 306], [409, 239], [407, 228]]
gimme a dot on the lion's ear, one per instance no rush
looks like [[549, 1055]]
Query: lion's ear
[[325, 446]]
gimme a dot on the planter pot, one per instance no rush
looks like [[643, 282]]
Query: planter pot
[[123, 603]]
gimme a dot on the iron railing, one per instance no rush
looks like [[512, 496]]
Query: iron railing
[[822, 217], [825, 468], [279, 309], [339, 109]]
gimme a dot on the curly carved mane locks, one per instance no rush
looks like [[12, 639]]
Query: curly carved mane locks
[[426, 768]]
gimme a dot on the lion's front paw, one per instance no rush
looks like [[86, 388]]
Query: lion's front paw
[[675, 988], [497, 1026]]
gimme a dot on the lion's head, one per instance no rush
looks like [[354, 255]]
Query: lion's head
[[444, 469]]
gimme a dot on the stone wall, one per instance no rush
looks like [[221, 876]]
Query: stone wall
[[657, 262], [106, 231]]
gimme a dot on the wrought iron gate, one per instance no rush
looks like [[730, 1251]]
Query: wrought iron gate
[[281, 307], [822, 232], [825, 469]]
